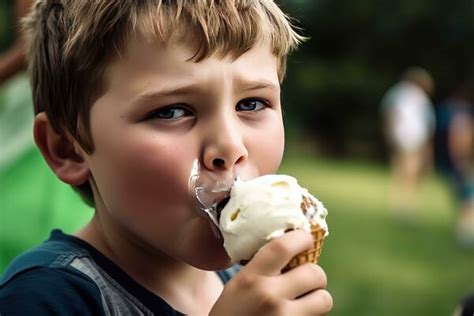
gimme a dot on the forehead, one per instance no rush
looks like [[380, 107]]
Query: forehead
[[146, 64]]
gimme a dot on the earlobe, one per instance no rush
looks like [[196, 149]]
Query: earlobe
[[59, 152]]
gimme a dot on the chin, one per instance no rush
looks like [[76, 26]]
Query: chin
[[207, 251], [217, 263], [212, 258]]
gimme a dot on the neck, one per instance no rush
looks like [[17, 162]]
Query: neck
[[178, 283]]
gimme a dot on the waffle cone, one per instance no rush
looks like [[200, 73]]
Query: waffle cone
[[311, 255]]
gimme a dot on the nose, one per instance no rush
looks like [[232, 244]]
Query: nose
[[225, 147]]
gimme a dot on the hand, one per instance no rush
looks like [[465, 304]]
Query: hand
[[261, 289]]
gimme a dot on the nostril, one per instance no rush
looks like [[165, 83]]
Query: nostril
[[218, 162]]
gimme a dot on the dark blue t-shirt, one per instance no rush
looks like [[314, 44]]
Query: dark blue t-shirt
[[67, 276], [467, 306]]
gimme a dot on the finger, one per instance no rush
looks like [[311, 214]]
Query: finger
[[274, 255], [303, 279], [318, 302]]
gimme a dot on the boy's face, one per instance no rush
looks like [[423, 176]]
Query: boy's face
[[161, 112]]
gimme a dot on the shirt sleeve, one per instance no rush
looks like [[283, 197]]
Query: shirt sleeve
[[46, 291], [467, 306]]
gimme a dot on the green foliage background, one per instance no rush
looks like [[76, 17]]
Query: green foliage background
[[356, 50]]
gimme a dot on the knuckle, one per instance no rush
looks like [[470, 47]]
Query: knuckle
[[268, 301], [282, 309], [279, 246], [270, 304], [244, 281]]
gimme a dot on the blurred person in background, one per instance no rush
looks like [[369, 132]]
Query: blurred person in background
[[455, 148], [16, 116], [408, 123], [466, 306], [12, 61]]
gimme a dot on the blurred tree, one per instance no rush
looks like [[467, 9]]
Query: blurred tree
[[6, 25], [357, 49]]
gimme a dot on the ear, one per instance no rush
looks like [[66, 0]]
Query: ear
[[59, 152]]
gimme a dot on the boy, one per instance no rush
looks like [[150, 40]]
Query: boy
[[409, 122], [127, 95]]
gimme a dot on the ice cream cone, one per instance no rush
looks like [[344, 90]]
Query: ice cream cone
[[265, 208], [311, 255]]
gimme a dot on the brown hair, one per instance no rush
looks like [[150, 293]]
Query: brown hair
[[70, 43]]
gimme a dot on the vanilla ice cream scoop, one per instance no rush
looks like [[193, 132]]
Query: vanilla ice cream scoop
[[264, 208]]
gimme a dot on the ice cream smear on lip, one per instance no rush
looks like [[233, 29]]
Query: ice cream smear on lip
[[209, 189], [264, 208]]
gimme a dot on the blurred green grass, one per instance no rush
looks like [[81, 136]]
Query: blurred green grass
[[376, 264]]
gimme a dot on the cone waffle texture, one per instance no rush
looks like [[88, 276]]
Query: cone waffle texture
[[311, 255]]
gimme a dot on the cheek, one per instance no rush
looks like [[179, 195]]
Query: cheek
[[144, 180], [267, 148]]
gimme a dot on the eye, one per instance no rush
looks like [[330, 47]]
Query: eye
[[251, 105], [169, 113]]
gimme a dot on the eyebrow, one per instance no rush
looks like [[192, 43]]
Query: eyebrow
[[193, 88], [155, 94], [256, 85]]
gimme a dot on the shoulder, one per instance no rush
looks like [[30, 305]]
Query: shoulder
[[391, 98], [52, 254], [42, 281], [50, 290]]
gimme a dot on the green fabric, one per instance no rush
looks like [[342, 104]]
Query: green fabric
[[32, 200]]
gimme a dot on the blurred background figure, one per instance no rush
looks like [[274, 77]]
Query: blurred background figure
[[466, 306], [16, 111], [454, 153], [408, 123]]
